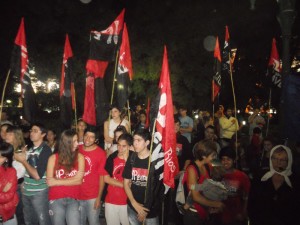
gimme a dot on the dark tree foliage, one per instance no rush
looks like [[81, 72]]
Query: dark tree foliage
[[180, 25]]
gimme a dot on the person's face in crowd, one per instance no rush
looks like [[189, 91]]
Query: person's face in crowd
[[139, 143], [50, 136], [209, 133], [177, 127], [143, 118], [279, 161], [2, 159], [115, 113], [36, 134], [210, 157], [89, 139], [138, 108], [118, 134], [229, 112], [81, 126], [75, 142], [123, 147], [227, 162], [268, 145], [3, 132], [4, 116], [182, 112], [10, 138]]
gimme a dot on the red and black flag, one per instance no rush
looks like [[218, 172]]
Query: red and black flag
[[66, 87], [274, 70], [164, 159], [226, 54], [20, 70], [216, 82], [103, 48], [125, 72]]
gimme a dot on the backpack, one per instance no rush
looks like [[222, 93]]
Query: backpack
[[182, 190]]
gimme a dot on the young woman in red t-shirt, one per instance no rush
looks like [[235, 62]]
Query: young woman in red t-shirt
[[65, 171]]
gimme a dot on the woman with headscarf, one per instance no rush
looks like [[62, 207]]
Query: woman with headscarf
[[274, 200]]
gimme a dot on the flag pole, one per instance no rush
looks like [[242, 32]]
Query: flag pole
[[149, 162], [115, 72], [75, 107], [3, 92], [129, 120], [213, 99], [268, 121], [234, 105]]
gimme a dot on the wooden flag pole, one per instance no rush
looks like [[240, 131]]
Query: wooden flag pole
[[234, 105], [3, 92], [268, 121], [149, 162], [213, 100], [129, 120], [115, 72], [75, 108]]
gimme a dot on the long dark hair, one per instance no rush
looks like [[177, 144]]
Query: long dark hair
[[7, 151], [66, 156]]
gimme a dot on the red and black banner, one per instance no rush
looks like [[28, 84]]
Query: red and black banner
[[226, 53], [216, 82], [274, 70], [103, 48], [66, 87], [125, 72], [20, 70]]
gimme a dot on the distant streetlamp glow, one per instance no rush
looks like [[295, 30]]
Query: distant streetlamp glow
[[85, 1]]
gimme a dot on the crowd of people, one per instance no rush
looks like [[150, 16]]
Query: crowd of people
[[67, 178]]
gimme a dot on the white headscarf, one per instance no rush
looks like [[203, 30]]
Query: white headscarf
[[287, 172]]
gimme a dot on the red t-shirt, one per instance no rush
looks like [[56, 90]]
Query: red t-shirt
[[237, 184], [116, 195], [94, 168], [57, 192]]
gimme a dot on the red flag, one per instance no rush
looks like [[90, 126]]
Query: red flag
[[147, 114], [66, 83], [19, 67], [165, 130], [125, 64], [125, 73], [103, 48], [217, 70], [275, 66]]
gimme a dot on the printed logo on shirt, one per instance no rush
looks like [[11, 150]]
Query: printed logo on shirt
[[118, 171], [61, 173], [139, 176], [88, 166]]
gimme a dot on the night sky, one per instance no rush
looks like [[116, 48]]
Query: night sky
[[181, 25]]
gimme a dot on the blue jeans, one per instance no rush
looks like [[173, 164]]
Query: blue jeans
[[36, 209], [133, 220], [19, 209], [87, 211], [64, 209]]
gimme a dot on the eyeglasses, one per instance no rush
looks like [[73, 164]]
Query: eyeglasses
[[279, 160]]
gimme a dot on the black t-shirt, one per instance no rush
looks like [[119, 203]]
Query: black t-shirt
[[184, 148], [136, 169]]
